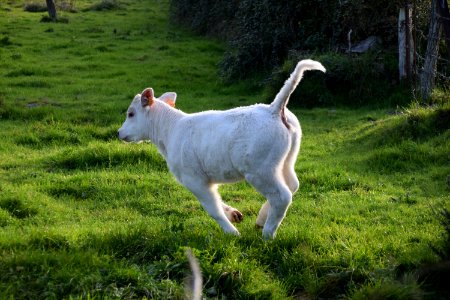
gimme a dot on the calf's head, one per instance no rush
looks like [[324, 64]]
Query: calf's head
[[140, 113]]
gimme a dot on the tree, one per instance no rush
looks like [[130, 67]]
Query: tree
[[428, 74], [445, 17], [51, 10]]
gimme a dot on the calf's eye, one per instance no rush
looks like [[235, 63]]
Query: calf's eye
[[130, 114]]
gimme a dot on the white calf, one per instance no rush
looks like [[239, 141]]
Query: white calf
[[258, 143]]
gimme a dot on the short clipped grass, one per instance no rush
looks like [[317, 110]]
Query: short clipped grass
[[83, 215]]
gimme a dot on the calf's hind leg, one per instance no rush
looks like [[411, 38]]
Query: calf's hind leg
[[262, 216], [278, 196], [290, 178], [289, 163]]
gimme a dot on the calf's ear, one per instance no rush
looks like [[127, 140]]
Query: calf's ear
[[169, 98], [147, 97]]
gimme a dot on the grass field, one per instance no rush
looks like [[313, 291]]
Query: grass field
[[83, 215]]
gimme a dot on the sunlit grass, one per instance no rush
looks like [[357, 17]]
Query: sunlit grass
[[85, 215]]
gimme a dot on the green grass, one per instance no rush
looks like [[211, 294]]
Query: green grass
[[83, 215]]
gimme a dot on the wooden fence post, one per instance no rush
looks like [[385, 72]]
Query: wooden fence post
[[405, 42]]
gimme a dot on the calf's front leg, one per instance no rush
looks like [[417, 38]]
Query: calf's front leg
[[210, 199], [232, 213]]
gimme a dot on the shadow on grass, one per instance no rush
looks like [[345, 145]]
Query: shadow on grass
[[60, 274], [17, 208], [101, 156]]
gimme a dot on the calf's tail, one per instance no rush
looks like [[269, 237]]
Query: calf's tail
[[291, 83]]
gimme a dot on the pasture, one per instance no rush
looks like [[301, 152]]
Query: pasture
[[84, 215]]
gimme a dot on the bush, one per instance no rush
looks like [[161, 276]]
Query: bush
[[367, 79], [261, 33], [105, 5], [62, 5], [47, 19], [216, 18], [35, 7], [262, 40]]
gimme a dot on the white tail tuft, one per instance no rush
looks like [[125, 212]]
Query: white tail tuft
[[289, 86], [194, 291]]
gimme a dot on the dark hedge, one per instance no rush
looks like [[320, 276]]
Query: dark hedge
[[260, 33]]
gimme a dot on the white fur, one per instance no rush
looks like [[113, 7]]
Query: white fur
[[194, 291], [258, 143]]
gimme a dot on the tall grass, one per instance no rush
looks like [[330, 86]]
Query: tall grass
[[83, 215]]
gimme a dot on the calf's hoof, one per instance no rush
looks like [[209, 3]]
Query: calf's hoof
[[236, 216]]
